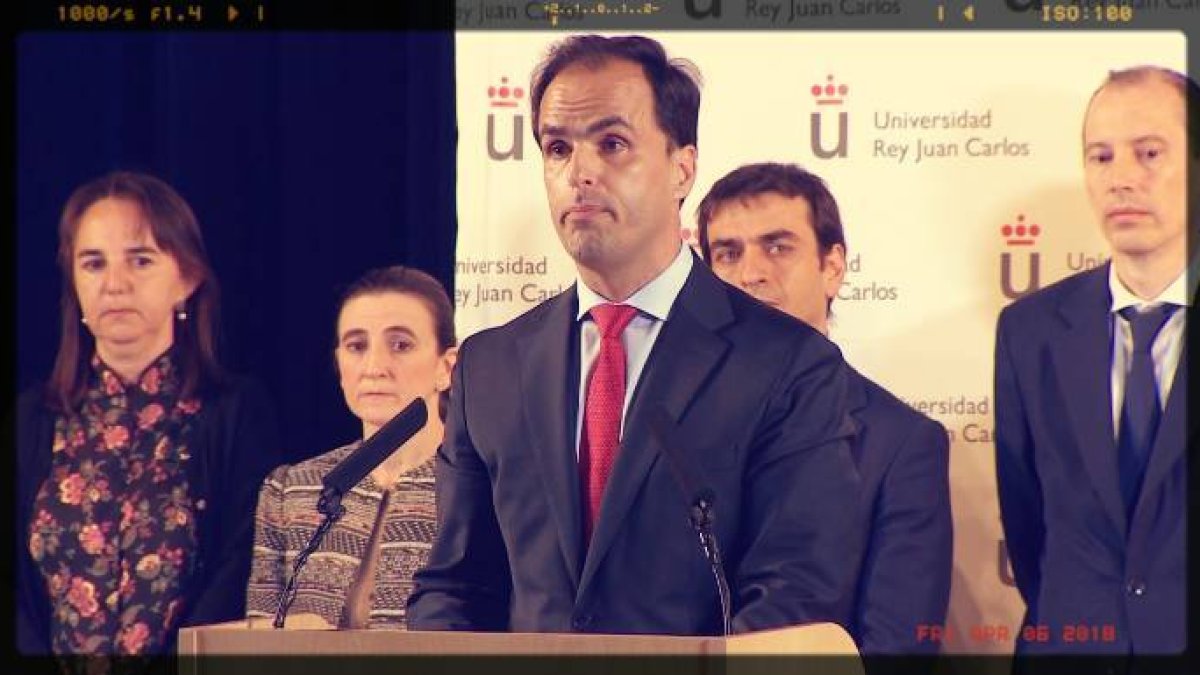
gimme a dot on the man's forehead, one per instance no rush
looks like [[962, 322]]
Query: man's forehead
[[763, 205], [1144, 98], [579, 88], [766, 213], [601, 67]]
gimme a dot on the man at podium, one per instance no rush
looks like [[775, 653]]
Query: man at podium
[[559, 511]]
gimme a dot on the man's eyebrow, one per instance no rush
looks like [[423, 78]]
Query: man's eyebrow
[[606, 122], [1156, 138], [597, 126], [552, 130], [776, 235], [725, 242], [1147, 138]]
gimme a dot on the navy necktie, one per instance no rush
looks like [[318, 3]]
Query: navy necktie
[[1141, 408]]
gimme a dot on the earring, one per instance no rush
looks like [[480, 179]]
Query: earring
[[181, 313], [83, 319]]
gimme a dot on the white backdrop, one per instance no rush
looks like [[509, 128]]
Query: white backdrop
[[956, 162]]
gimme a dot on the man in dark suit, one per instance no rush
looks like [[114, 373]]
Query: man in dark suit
[[557, 511], [774, 231], [1090, 386]]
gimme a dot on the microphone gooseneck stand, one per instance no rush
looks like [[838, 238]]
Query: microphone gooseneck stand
[[700, 505], [349, 471], [330, 506], [702, 518]]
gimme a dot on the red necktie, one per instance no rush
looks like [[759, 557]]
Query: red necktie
[[602, 409]]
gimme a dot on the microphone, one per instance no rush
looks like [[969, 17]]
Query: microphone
[[346, 475], [700, 501], [377, 448]]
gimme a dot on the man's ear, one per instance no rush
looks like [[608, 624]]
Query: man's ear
[[683, 164], [833, 270]]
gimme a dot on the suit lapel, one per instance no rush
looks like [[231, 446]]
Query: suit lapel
[[549, 366], [1082, 363], [685, 353]]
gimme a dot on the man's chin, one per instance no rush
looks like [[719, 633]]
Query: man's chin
[[585, 248], [1129, 237]]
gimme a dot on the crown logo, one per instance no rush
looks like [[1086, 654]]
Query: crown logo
[[504, 96], [1020, 234], [830, 93]]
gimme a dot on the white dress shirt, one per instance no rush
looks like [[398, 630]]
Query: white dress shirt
[[1165, 350], [653, 302]]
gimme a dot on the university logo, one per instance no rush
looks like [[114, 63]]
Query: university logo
[[500, 99], [713, 9], [829, 97], [1019, 238]]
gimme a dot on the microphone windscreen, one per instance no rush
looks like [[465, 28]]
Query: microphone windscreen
[[378, 447]]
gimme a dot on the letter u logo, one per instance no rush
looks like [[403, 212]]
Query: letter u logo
[[514, 147], [1006, 282], [842, 134]]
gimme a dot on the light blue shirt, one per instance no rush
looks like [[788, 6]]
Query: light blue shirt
[[653, 302]]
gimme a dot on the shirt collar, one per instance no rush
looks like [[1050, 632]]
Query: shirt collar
[[1175, 293], [655, 298], [160, 374]]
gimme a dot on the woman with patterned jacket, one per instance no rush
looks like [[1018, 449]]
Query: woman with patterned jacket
[[394, 343], [137, 461]]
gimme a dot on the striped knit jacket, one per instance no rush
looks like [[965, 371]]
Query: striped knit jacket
[[287, 516]]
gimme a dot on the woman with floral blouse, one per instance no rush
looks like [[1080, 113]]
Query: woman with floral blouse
[[139, 458]]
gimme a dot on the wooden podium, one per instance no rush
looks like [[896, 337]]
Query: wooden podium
[[825, 645]]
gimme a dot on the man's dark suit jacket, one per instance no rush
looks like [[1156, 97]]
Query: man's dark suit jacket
[[760, 402], [1083, 568], [903, 459]]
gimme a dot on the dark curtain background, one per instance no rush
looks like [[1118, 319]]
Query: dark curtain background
[[308, 158]]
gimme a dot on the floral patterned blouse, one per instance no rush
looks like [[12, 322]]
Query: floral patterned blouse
[[113, 530]]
